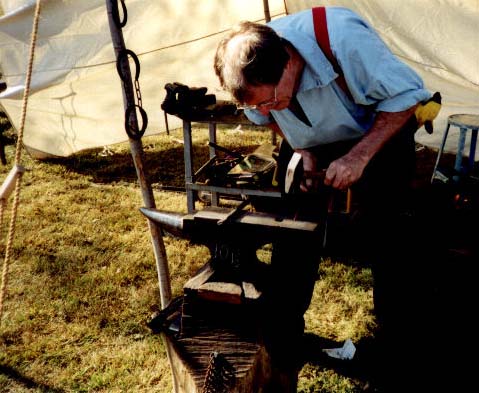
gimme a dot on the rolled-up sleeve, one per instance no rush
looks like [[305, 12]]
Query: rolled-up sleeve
[[375, 76]]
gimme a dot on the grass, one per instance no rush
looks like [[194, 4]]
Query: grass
[[83, 282]]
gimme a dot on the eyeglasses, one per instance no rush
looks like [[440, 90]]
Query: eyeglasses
[[265, 104]]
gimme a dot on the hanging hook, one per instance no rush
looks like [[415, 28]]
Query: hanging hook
[[116, 14]]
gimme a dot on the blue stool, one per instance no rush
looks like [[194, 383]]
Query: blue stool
[[465, 123]]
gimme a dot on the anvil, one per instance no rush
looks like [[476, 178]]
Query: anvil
[[234, 272]]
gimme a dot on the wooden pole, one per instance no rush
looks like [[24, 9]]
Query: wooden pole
[[267, 18], [267, 15], [136, 149]]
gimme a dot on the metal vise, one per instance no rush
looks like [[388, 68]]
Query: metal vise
[[182, 100]]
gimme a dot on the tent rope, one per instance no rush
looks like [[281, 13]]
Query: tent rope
[[18, 154]]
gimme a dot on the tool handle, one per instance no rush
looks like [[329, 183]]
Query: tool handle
[[321, 174], [233, 213], [225, 150]]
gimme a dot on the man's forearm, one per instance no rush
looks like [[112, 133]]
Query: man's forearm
[[386, 125], [347, 170]]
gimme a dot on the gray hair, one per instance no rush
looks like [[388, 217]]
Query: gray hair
[[251, 54]]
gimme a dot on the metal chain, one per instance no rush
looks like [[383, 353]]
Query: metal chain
[[220, 375], [131, 125], [138, 92], [116, 14]]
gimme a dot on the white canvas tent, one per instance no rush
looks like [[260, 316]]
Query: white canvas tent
[[76, 93]]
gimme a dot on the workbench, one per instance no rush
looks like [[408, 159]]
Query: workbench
[[212, 117]]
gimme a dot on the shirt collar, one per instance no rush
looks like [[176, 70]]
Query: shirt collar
[[318, 71]]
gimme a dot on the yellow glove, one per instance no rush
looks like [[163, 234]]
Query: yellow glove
[[427, 111]]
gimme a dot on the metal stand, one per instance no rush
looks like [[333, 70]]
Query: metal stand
[[465, 123]]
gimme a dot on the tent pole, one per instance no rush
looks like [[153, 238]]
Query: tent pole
[[267, 15], [136, 149], [267, 18]]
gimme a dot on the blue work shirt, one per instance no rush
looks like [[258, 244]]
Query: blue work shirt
[[376, 78]]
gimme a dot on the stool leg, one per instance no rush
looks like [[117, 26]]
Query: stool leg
[[472, 151], [459, 154], [439, 153]]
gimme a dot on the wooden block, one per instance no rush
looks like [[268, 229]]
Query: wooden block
[[220, 292], [190, 357], [199, 278], [250, 291]]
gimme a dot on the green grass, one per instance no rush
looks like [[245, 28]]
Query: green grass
[[83, 282]]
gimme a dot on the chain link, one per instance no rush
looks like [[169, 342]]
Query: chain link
[[138, 93], [131, 127], [116, 14]]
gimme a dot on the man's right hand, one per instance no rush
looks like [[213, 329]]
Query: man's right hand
[[312, 183]]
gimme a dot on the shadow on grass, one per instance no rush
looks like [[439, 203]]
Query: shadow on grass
[[26, 382], [163, 163], [427, 349], [163, 166]]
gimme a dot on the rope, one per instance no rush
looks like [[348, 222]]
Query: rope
[[18, 153]]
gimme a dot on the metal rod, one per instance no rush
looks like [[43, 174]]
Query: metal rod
[[225, 150], [233, 213], [212, 136], [188, 157]]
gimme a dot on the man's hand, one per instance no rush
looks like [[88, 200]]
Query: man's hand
[[348, 169], [345, 171], [309, 165]]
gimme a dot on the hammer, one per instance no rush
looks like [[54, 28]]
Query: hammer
[[295, 174]]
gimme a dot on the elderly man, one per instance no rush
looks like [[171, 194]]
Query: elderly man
[[329, 86]]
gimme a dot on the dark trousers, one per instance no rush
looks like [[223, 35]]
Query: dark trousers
[[422, 284], [382, 196]]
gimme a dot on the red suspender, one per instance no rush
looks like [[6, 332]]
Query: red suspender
[[322, 37]]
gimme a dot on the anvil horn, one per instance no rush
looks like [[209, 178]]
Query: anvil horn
[[170, 222]]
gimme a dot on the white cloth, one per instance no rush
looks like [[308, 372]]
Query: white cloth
[[76, 98]]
